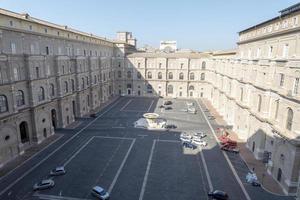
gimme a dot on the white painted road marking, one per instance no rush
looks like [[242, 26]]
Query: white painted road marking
[[120, 168], [58, 148], [206, 170], [125, 105], [150, 106], [147, 171], [53, 197], [226, 157]]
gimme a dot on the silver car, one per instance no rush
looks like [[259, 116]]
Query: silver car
[[58, 171], [99, 192], [44, 184]]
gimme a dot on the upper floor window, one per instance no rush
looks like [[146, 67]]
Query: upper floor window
[[202, 76], [149, 75], [11, 23], [139, 75], [281, 82], [87, 81], [203, 65], [289, 120], [119, 74], [159, 75], [192, 76], [258, 53], [139, 65], [181, 65], [37, 72], [276, 108], [45, 30], [170, 75], [20, 98], [82, 83], [270, 53], [52, 90], [259, 103], [95, 79], [181, 76], [3, 104], [285, 51], [66, 87], [129, 74], [242, 94], [47, 50], [296, 86], [13, 48], [119, 64], [159, 65], [73, 85], [41, 94]]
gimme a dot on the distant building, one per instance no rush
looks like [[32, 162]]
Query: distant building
[[168, 46]]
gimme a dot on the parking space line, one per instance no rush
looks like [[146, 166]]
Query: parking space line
[[206, 170], [147, 171], [126, 105], [175, 141], [53, 197], [58, 148], [121, 167], [226, 157], [150, 106], [118, 138]]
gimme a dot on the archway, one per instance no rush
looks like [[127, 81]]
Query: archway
[[53, 118], [24, 132]]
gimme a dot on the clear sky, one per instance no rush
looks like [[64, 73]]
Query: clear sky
[[195, 24]]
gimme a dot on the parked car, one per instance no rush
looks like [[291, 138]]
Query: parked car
[[199, 142], [184, 137], [161, 106], [229, 148], [218, 194], [189, 145], [189, 103], [168, 108], [44, 184], [58, 171], [99, 192], [167, 102], [192, 110], [200, 135], [170, 126]]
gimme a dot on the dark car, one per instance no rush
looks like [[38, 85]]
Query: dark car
[[168, 103], [171, 126], [218, 194], [161, 106], [168, 108], [189, 145]]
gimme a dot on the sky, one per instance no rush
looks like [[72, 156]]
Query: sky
[[202, 25]]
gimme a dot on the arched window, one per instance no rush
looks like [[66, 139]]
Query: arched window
[[66, 87], [73, 85], [20, 98], [41, 94], [129, 74], [289, 119], [139, 75], [202, 77], [242, 94], [149, 75], [159, 76], [191, 87], [170, 75], [3, 104], [170, 89], [181, 76], [259, 103], [192, 76], [119, 74], [51, 89], [203, 65]]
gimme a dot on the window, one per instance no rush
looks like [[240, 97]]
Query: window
[[170, 89], [129, 74], [170, 75], [296, 86], [88, 100], [73, 85], [119, 74], [13, 48], [3, 104], [258, 53], [242, 94], [276, 108], [159, 65], [285, 51], [66, 87], [87, 81], [37, 72], [41, 94], [11, 23], [192, 76], [181, 76], [47, 50], [32, 49], [203, 65], [259, 103], [289, 120], [20, 98], [139, 65], [202, 77], [281, 82], [139, 75], [95, 79], [129, 85], [191, 87], [159, 75], [45, 30], [119, 64], [181, 65], [82, 83], [51, 89], [270, 54], [149, 75]]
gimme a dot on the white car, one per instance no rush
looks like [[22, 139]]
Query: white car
[[184, 137], [189, 103], [200, 135], [58, 171], [99, 192], [44, 184], [192, 110], [199, 142]]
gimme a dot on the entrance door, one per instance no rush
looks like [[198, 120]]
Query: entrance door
[[128, 91], [24, 132], [53, 118]]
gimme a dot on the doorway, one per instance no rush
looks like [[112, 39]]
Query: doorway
[[53, 118], [24, 132]]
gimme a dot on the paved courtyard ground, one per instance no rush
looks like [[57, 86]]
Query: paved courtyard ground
[[134, 163]]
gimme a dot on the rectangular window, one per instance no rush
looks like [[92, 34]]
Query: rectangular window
[[270, 54], [296, 86], [47, 50], [11, 23], [13, 48], [285, 51], [281, 79], [32, 49], [37, 72]]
